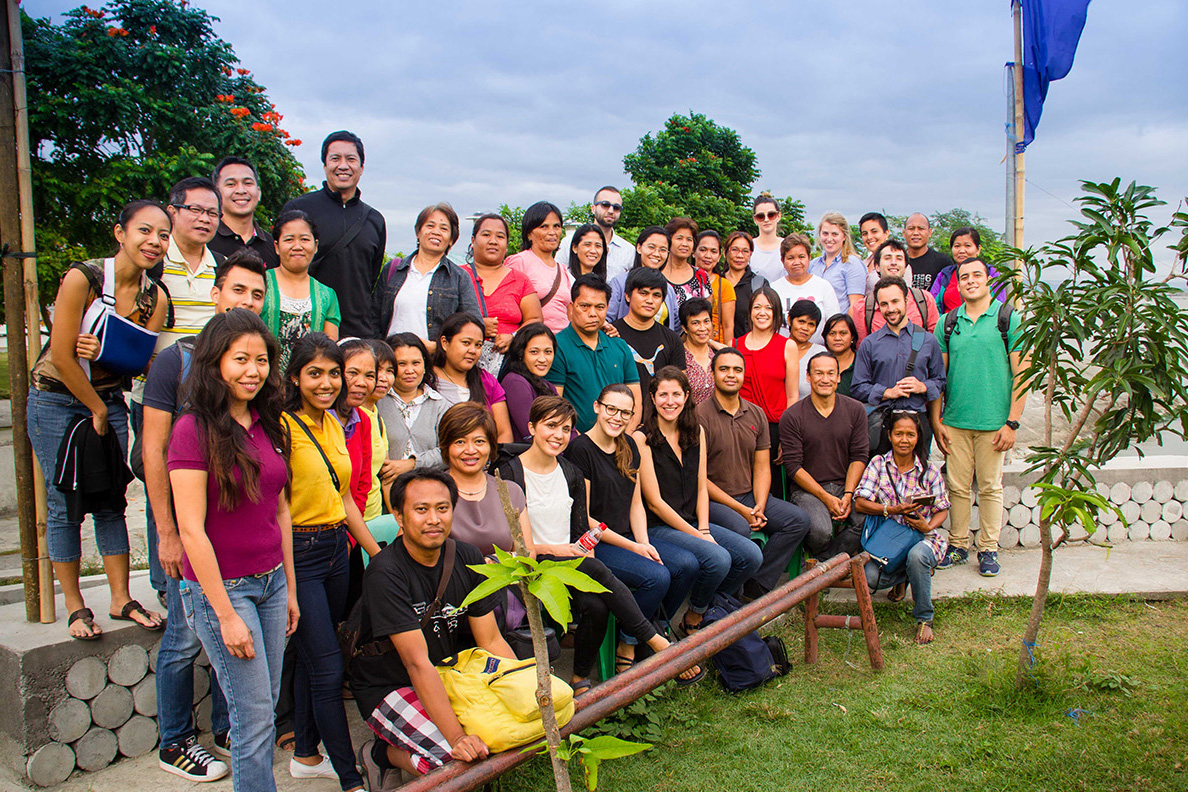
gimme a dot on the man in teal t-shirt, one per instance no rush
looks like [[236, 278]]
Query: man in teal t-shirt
[[983, 401]]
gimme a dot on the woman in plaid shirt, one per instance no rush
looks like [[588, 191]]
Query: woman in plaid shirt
[[891, 488]]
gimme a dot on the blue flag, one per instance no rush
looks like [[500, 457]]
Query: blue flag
[[1051, 31]]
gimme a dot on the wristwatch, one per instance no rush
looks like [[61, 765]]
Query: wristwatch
[[1014, 425]]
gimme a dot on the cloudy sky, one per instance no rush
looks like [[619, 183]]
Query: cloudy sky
[[849, 106]]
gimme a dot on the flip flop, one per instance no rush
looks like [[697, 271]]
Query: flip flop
[[132, 606], [700, 675], [286, 741], [87, 617]]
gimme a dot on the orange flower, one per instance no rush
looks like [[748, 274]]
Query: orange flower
[[226, 70], [152, 30], [240, 112], [93, 13], [282, 133], [244, 72], [293, 142], [259, 127], [112, 32]]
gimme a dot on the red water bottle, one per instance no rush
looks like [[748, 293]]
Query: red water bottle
[[590, 539]]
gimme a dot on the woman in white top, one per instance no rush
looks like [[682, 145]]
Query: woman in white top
[[766, 256], [798, 284]]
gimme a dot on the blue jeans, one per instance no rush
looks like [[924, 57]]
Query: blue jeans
[[917, 572], [252, 685], [649, 582], [721, 567], [49, 418], [175, 677], [156, 574], [787, 525], [322, 578]]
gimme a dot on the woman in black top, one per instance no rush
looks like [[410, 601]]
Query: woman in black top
[[739, 247], [672, 475]]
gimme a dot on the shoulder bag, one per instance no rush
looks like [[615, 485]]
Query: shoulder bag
[[124, 347]]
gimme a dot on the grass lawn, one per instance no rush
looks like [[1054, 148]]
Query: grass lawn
[[941, 717], [4, 385]]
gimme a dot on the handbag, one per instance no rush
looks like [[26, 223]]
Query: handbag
[[124, 347], [495, 698], [887, 540]]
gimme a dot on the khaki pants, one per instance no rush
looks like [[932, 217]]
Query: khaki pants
[[973, 452]]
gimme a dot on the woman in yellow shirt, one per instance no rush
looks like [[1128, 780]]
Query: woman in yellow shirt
[[323, 513]]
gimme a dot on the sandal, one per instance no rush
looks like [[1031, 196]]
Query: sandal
[[920, 637], [623, 663], [286, 741], [580, 687], [87, 617], [686, 629], [897, 592], [700, 675], [132, 606]]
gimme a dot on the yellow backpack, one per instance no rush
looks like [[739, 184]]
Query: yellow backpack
[[495, 698]]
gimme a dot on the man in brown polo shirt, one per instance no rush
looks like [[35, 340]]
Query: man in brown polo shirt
[[826, 447], [738, 470]]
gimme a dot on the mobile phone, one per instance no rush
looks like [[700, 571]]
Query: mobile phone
[[924, 500]]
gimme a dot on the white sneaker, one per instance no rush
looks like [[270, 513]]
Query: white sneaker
[[322, 769]]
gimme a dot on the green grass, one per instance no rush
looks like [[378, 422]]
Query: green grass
[[4, 384], [942, 717]]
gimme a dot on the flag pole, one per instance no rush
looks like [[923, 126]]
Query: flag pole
[[1019, 171]]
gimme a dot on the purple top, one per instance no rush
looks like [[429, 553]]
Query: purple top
[[520, 395], [247, 540]]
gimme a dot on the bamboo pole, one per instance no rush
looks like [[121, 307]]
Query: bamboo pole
[[1020, 170]]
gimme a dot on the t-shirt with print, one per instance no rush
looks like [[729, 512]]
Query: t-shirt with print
[[653, 349], [296, 315], [396, 592], [816, 290], [927, 267], [611, 492]]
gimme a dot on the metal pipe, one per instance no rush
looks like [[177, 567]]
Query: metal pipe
[[624, 688]]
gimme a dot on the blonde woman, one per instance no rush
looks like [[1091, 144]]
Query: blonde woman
[[839, 262]]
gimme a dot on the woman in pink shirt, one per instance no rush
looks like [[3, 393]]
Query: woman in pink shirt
[[506, 297], [540, 236]]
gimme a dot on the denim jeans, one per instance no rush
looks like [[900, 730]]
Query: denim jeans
[[917, 572], [787, 526], [49, 418], [649, 582], [321, 564], [175, 677], [820, 541], [721, 567], [250, 685], [157, 577]]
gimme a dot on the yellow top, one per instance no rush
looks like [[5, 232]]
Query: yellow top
[[379, 452], [314, 500]]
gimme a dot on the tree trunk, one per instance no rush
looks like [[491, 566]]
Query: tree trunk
[[1026, 659]]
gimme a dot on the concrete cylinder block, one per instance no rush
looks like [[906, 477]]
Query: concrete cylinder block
[[112, 707], [1120, 493], [1102, 489], [1107, 517], [1029, 536], [201, 683], [1164, 491], [95, 749], [1172, 511], [1151, 511], [202, 714], [128, 665], [1180, 530], [1009, 537], [1020, 515], [1076, 532], [1029, 497], [1141, 492], [50, 765], [202, 660], [1035, 514], [86, 678], [138, 736], [1182, 490], [1161, 531], [69, 720], [1131, 511], [144, 696], [1010, 496], [152, 656], [1139, 531], [1116, 533]]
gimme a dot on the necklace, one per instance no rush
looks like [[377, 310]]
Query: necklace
[[478, 491], [452, 381]]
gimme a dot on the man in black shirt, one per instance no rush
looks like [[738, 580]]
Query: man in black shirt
[[398, 691], [925, 262], [239, 185], [653, 344], [351, 234]]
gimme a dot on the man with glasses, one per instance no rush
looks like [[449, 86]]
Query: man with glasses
[[239, 186], [897, 367], [825, 448], [766, 259], [607, 208], [923, 262]]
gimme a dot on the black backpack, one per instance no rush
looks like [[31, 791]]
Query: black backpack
[[1004, 325], [751, 660]]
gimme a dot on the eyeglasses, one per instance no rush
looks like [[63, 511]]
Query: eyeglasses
[[761, 216], [198, 211], [609, 205], [615, 412]]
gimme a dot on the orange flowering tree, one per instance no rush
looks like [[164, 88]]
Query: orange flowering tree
[[126, 99]]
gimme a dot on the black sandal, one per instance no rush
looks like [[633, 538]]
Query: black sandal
[[87, 617], [580, 687], [132, 606], [700, 675], [623, 663]]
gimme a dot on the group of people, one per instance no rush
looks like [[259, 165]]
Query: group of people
[[318, 429]]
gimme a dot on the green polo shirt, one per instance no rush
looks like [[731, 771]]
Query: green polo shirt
[[978, 390], [583, 372]]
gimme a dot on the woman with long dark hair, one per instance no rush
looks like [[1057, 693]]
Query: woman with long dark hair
[[229, 480], [672, 475], [63, 389], [358, 383], [506, 297], [708, 257], [295, 303], [587, 252], [841, 338], [738, 273], [324, 512], [458, 374], [651, 250], [412, 409], [540, 236], [528, 360], [902, 486]]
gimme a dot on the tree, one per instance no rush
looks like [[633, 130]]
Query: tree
[[1108, 351], [123, 102]]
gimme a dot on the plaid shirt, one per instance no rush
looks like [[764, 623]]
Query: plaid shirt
[[884, 484]]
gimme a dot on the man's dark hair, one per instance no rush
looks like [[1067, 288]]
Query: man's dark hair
[[972, 260], [890, 280], [590, 281], [804, 308], [645, 278], [825, 354], [892, 243], [725, 351], [604, 188], [342, 134], [225, 161], [244, 258], [177, 193], [693, 307], [438, 474], [877, 217]]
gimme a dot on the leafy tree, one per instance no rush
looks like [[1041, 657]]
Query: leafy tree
[[124, 101], [1108, 350]]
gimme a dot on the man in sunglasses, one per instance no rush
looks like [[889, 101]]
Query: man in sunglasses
[[607, 208]]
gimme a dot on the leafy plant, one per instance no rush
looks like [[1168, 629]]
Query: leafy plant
[[1108, 352], [591, 752]]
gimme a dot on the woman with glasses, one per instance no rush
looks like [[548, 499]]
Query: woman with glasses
[[766, 259], [738, 273], [651, 250], [540, 236]]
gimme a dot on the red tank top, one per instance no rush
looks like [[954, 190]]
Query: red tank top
[[763, 382]]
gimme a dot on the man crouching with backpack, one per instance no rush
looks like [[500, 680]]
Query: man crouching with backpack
[[409, 621], [983, 402]]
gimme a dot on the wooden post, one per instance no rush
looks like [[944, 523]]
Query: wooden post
[[811, 607], [1020, 171], [870, 630], [11, 250]]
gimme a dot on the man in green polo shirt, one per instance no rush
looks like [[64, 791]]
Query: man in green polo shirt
[[587, 359], [983, 401]]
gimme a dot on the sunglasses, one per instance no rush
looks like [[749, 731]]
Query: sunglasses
[[766, 215], [609, 205]]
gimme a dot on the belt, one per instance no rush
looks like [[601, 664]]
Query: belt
[[48, 384], [316, 529]]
